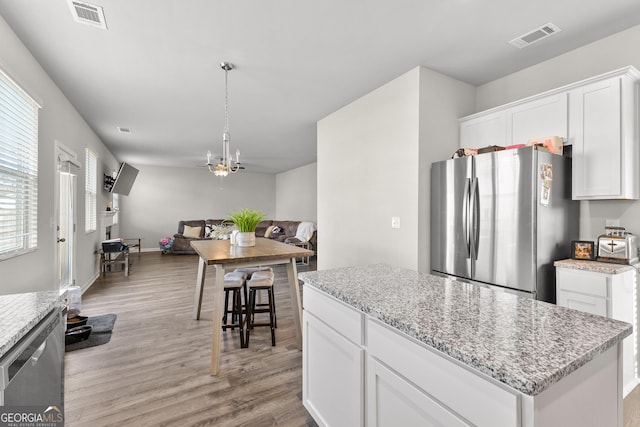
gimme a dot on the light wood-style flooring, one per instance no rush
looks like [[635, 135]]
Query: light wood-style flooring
[[155, 369]]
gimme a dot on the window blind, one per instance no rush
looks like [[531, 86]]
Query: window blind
[[18, 170], [90, 191]]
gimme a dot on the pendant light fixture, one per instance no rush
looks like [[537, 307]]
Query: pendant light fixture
[[225, 165]]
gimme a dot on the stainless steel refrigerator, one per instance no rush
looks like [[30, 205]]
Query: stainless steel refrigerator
[[503, 218]]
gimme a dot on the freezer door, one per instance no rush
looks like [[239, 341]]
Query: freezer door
[[450, 231], [502, 212]]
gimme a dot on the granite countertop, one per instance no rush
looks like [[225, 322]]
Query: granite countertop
[[595, 266], [526, 344], [19, 313]]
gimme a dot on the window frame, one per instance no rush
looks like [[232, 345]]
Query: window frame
[[90, 191], [18, 169]]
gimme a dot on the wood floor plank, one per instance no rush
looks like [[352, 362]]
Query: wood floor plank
[[155, 369]]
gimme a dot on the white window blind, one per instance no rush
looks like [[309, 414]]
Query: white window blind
[[18, 170], [90, 191]]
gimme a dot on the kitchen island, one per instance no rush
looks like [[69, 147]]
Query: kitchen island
[[384, 345]]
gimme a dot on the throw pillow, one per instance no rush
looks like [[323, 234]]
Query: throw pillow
[[267, 233], [208, 229], [191, 232]]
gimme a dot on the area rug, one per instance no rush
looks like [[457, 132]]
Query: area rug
[[100, 332]]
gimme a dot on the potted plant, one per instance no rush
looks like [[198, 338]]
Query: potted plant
[[246, 220]]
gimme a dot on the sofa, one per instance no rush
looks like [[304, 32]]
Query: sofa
[[201, 229]]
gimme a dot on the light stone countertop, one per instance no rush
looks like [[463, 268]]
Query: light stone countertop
[[526, 344], [19, 313], [595, 266]]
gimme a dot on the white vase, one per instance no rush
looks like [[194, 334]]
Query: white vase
[[247, 238]]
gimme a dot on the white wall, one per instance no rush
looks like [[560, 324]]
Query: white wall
[[297, 194], [363, 180], [442, 101], [58, 120], [160, 197], [604, 55], [373, 164]]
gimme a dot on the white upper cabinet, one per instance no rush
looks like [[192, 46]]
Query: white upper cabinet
[[603, 129], [488, 129], [537, 119], [546, 116], [598, 117]]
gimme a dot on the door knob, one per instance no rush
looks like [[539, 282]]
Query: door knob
[[62, 240]]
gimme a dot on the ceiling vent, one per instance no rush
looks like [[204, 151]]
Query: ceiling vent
[[89, 14], [124, 130], [536, 35]]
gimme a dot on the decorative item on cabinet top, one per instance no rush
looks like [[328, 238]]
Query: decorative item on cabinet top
[[583, 249]]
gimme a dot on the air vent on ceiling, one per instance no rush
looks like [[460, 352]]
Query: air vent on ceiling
[[124, 130], [89, 14], [536, 35]]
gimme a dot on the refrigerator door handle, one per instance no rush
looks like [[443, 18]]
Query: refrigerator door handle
[[465, 215], [475, 218]]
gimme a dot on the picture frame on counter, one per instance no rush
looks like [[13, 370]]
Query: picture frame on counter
[[583, 249]]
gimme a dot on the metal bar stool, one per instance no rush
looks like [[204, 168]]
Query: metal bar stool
[[261, 281], [234, 284]]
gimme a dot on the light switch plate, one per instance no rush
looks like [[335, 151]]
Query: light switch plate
[[395, 222]]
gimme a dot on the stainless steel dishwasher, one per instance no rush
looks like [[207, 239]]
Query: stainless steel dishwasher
[[32, 372]]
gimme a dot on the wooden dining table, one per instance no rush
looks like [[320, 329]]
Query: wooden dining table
[[224, 256]]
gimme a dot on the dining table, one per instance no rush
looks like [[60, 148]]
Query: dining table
[[225, 256]]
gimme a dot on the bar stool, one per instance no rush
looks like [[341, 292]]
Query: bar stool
[[249, 271], [261, 281], [234, 284]]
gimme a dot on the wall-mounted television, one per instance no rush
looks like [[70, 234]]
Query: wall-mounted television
[[123, 181]]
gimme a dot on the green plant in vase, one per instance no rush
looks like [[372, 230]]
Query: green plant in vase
[[246, 220]]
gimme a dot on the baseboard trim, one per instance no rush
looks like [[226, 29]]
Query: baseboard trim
[[85, 287]]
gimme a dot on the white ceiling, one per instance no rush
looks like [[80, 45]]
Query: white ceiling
[[156, 69]]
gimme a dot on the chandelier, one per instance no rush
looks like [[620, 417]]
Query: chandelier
[[225, 165]]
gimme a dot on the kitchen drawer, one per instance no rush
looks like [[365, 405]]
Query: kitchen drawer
[[585, 282], [586, 303], [335, 313], [468, 394]]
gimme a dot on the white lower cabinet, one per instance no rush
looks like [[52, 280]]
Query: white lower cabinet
[[587, 303], [394, 401], [455, 392], [332, 364], [333, 375], [608, 295]]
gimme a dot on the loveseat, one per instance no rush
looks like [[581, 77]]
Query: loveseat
[[200, 229]]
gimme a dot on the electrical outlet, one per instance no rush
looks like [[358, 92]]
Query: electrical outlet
[[395, 222], [612, 223]]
